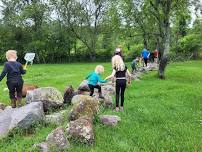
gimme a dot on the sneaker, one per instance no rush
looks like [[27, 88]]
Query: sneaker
[[121, 109], [117, 109]]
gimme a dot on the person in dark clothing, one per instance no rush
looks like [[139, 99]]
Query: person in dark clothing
[[119, 71], [14, 71]]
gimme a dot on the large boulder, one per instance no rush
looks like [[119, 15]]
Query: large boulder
[[21, 118], [87, 106], [81, 130], [57, 140], [110, 120], [57, 118], [78, 98], [50, 97]]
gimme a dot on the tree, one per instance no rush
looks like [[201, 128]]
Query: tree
[[163, 11]]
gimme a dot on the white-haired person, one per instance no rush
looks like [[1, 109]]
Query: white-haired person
[[93, 79], [120, 72], [14, 71]]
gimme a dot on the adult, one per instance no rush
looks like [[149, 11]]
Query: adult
[[119, 72], [156, 56], [145, 55]]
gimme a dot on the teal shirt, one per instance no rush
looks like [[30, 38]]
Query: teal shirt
[[93, 78]]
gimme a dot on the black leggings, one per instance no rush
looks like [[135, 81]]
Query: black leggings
[[91, 87], [15, 87], [120, 89], [145, 61]]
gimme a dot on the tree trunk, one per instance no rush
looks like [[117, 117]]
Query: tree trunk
[[164, 52]]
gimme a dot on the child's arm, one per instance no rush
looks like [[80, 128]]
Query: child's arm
[[100, 80], [3, 73], [112, 75]]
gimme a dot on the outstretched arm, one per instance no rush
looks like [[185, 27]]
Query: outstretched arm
[[112, 75]]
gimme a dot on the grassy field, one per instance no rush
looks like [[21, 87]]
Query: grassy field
[[160, 115]]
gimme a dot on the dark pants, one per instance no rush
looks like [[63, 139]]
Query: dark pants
[[92, 87], [120, 89], [145, 61], [15, 87]]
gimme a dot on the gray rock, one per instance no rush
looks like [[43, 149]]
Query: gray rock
[[43, 147], [87, 106], [81, 130], [83, 86], [22, 118], [57, 140], [56, 118], [110, 120], [107, 102], [108, 88], [50, 97]]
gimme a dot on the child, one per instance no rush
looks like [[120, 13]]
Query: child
[[13, 70], [93, 79], [119, 71], [134, 65]]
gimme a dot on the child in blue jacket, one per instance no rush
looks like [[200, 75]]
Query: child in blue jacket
[[93, 79]]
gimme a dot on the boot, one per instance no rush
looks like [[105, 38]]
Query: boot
[[13, 103], [100, 96], [19, 104]]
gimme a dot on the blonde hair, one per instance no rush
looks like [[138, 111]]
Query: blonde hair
[[11, 54], [99, 69], [117, 63]]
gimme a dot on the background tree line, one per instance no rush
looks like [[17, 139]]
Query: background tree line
[[82, 30]]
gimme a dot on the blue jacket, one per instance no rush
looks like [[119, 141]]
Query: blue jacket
[[145, 53], [93, 78]]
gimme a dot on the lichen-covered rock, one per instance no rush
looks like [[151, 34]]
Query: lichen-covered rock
[[2, 106], [81, 130], [50, 97], [107, 101], [110, 120], [78, 98], [22, 118], [57, 140], [108, 89], [87, 106], [57, 118]]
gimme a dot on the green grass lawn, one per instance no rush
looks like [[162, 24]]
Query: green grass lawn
[[160, 115]]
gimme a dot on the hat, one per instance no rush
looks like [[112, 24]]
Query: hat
[[118, 50]]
